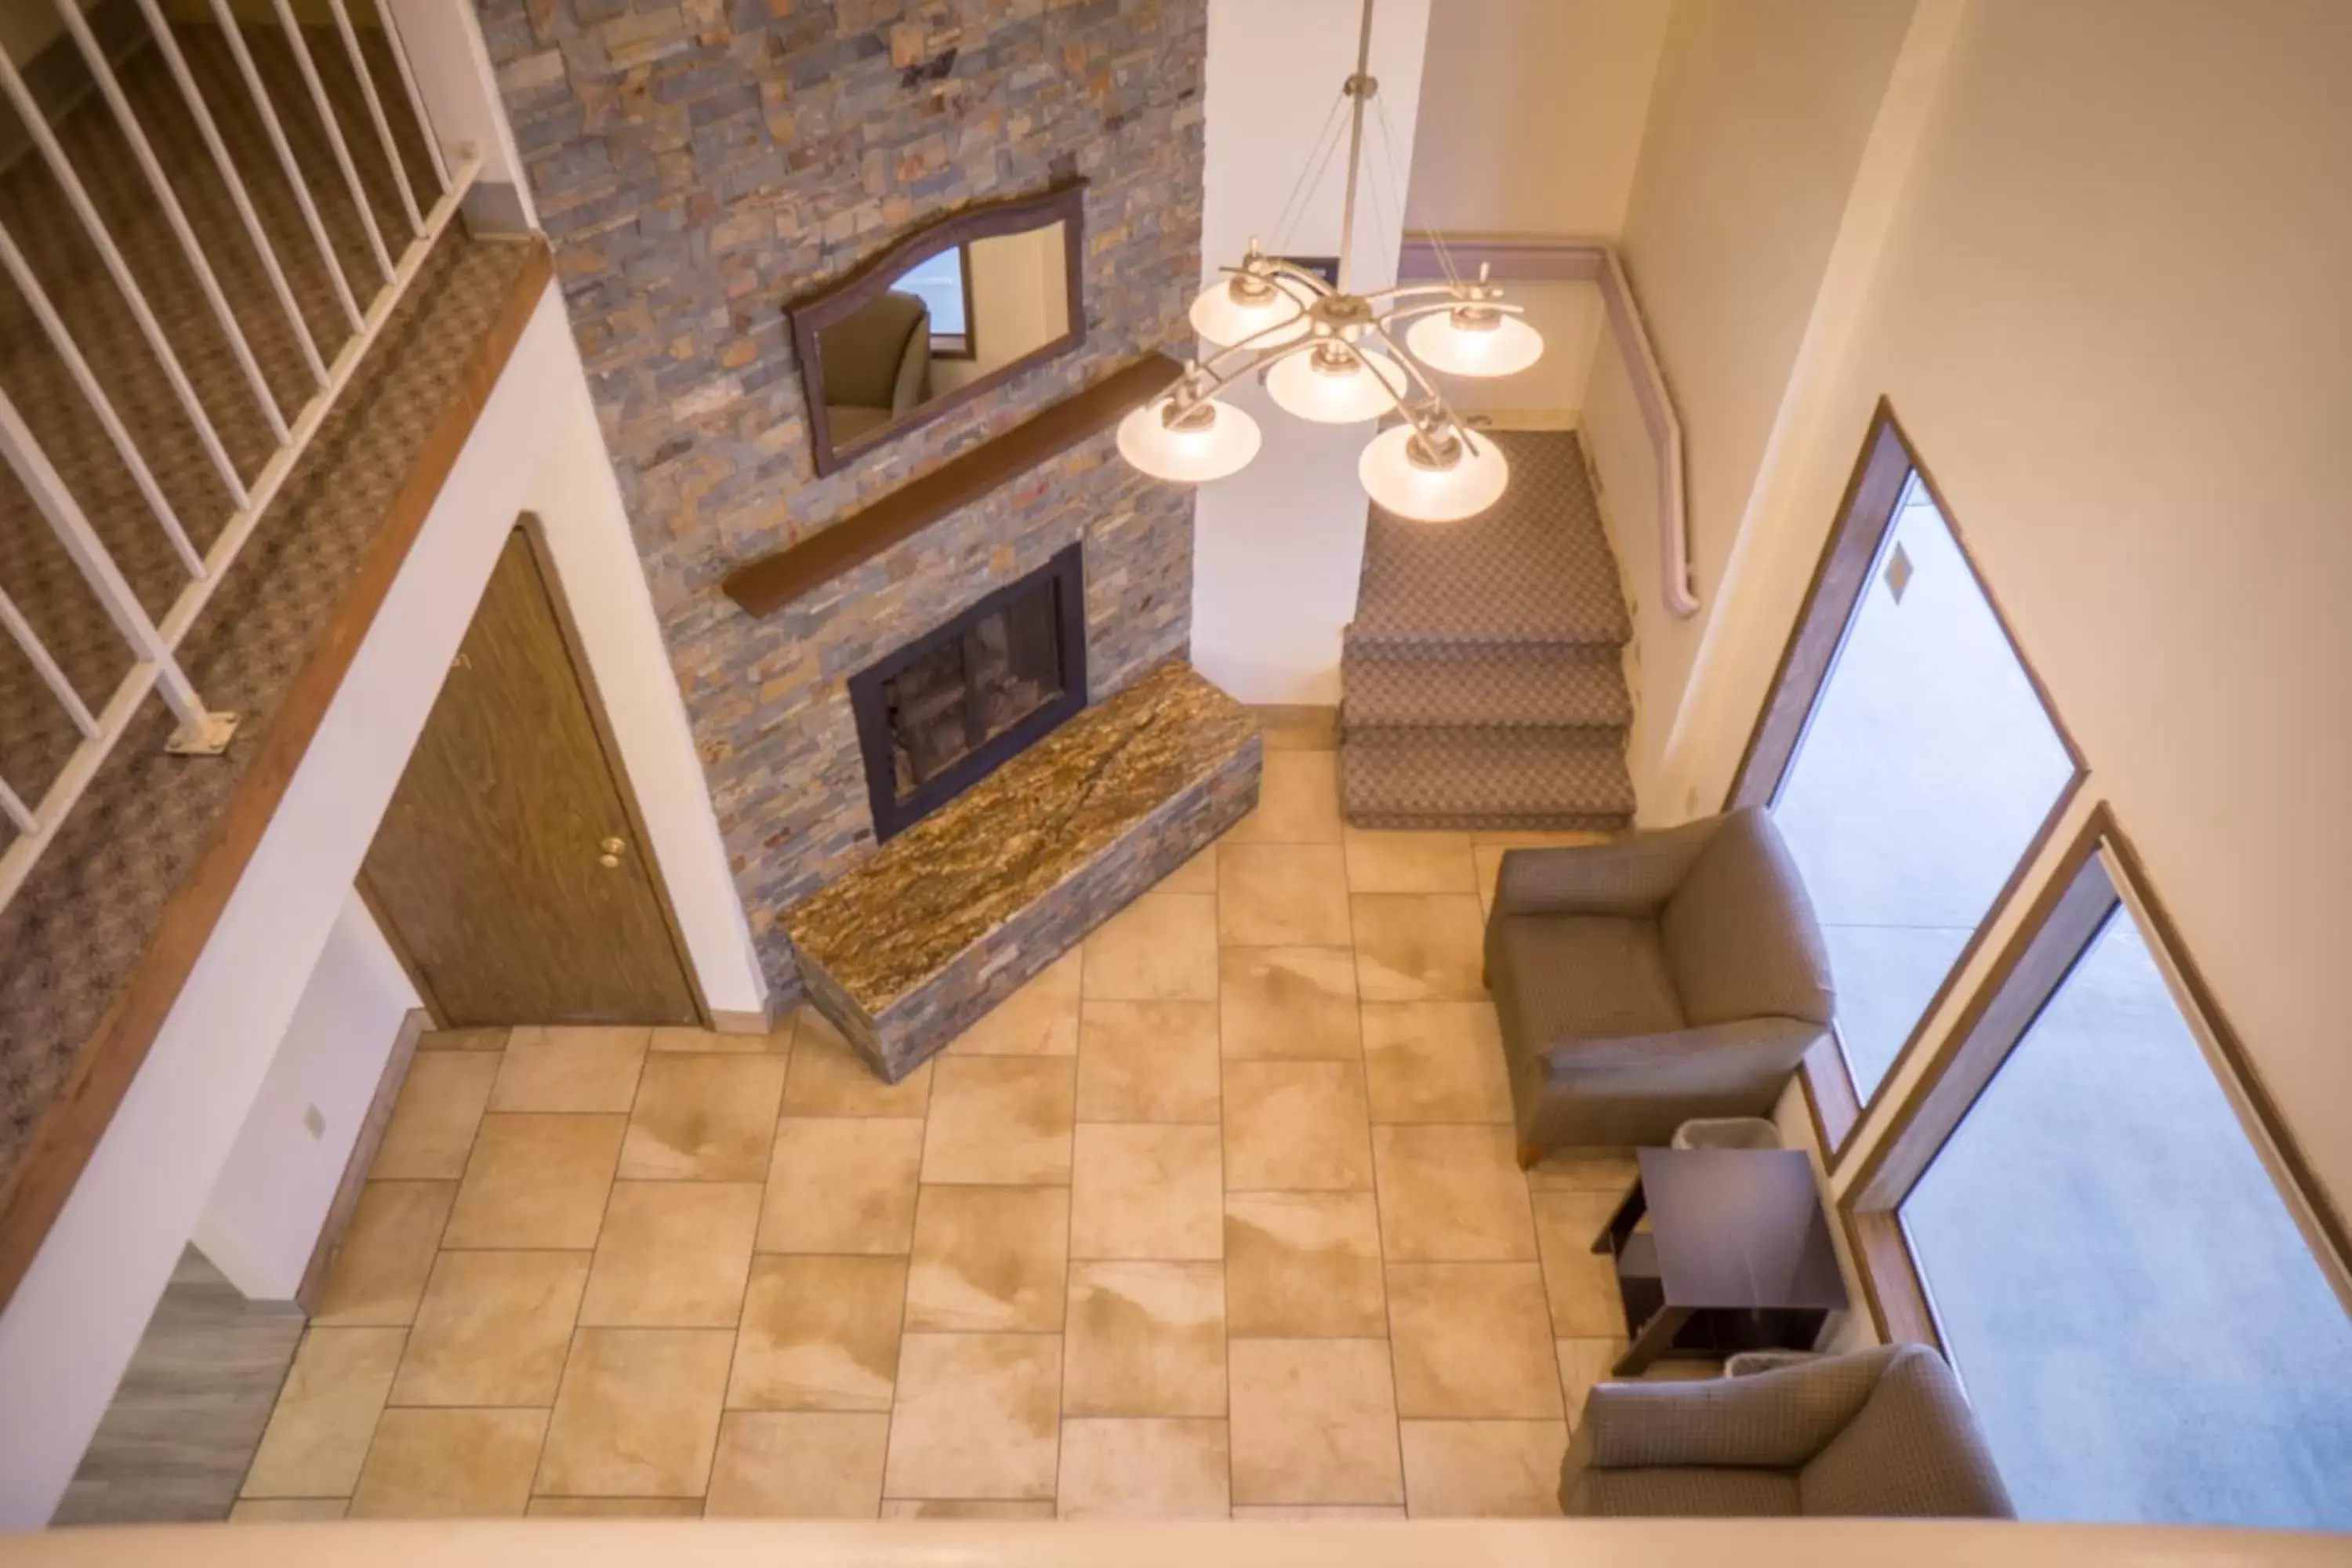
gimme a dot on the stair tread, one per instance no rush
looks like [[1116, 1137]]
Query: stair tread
[[1491, 777], [1496, 685], [1534, 568]]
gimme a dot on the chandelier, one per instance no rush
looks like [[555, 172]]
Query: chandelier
[[1329, 354]]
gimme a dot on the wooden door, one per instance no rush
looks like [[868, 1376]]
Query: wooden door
[[508, 869]]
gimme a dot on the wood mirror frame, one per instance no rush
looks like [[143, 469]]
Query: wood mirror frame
[[811, 313]]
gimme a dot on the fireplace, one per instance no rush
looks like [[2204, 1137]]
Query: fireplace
[[944, 711]]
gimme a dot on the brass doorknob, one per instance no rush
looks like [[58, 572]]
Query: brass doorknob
[[611, 857]]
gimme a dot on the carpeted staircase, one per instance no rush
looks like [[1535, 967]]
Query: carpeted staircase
[[1482, 683]]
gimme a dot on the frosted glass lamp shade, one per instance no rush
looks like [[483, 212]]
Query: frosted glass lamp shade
[[1504, 348], [1366, 391], [1188, 454], [1472, 483], [1218, 316]]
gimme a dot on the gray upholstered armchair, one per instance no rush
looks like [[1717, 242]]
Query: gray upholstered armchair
[[1657, 977], [876, 365], [1885, 1432]]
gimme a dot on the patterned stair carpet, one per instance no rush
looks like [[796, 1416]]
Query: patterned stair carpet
[[1483, 681]]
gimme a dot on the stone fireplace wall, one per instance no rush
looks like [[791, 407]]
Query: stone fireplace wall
[[698, 162]]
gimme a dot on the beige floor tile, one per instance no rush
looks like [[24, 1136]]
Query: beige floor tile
[[380, 1269], [1582, 1363], [828, 1078], [1435, 1061], [1198, 875], [1452, 1194], [560, 1068], [1583, 1171], [537, 1182], [1297, 727], [1483, 1470], [616, 1507], [1294, 1002], [1381, 861], [1535, 837], [1418, 947], [1473, 1340], [1297, 801], [450, 1464], [482, 1039], [1296, 1126], [1041, 1019], [493, 1329], [1148, 1191], [1300, 1512], [702, 1118], [1001, 1120], [1145, 1339], [674, 1255], [435, 1116], [819, 1333], [1304, 1265], [1145, 1469], [1148, 1061], [287, 1510], [638, 1413], [1581, 1284], [842, 1184], [965, 1508], [798, 1465], [319, 1431], [977, 1415], [1313, 1421], [1160, 948], [1282, 895], [711, 1042], [989, 1260]]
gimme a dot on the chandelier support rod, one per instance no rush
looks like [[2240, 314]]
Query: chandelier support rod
[[1361, 88]]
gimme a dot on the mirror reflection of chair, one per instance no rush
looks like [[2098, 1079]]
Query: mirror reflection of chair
[[877, 364]]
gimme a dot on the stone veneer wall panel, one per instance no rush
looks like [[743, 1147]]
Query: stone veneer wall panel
[[698, 162]]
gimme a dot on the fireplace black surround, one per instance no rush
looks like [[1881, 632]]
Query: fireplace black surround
[[945, 711]]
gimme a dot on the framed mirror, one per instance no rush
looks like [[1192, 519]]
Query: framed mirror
[[947, 311]]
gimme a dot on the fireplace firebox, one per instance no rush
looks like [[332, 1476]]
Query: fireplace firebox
[[939, 714]]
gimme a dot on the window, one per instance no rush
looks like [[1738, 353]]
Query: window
[[1909, 760], [2098, 1206], [943, 283]]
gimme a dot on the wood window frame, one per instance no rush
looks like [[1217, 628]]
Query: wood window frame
[[2096, 874], [1867, 513], [964, 344]]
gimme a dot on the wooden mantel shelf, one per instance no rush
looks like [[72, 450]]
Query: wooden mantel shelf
[[768, 583]]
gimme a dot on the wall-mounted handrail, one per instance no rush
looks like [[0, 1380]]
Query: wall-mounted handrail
[[153, 642], [1558, 260]]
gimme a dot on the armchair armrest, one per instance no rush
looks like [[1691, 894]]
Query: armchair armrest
[[1774, 1420], [1632, 874]]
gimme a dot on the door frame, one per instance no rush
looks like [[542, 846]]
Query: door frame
[[533, 530], [1867, 513]]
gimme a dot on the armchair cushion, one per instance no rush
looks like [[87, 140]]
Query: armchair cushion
[[1913, 1450], [1774, 1420], [1685, 1494], [1574, 977]]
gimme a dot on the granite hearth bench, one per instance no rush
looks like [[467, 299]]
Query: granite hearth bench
[[952, 916]]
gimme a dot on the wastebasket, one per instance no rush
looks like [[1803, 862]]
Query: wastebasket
[[1727, 1132]]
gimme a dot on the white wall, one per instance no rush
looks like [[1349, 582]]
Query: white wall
[[2112, 314], [1531, 114], [1277, 548], [1759, 121], [261, 1223], [73, 1322]]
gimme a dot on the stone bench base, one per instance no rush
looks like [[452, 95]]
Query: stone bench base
[[953, 915]]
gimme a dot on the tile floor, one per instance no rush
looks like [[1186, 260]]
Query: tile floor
[[1219, 1214]]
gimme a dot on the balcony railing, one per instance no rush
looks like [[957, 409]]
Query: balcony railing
[[210, 225]]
